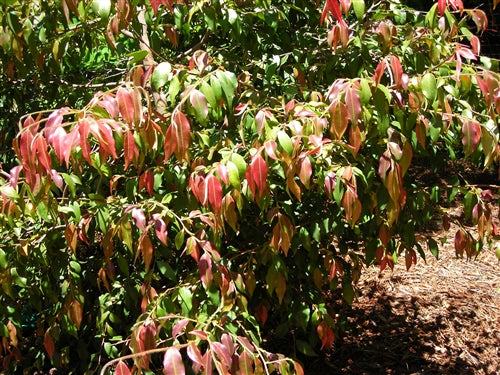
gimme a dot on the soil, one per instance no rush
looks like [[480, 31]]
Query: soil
[[440, 317]]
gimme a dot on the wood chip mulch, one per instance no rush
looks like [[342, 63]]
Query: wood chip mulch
[[440, 317]]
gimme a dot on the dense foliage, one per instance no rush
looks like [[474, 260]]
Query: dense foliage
[[250, 160]]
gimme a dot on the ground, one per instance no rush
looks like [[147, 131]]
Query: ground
[[440, 317]]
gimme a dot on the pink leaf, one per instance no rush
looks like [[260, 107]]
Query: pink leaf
[[161, 230], [223, 173], [305, 171], [122, 369], [353, 104], [194, 353], [109, 103], [178, 327], [14, 175], [155, 4], [59, 142], [471, 136], [199, 102], [84, 129], [397, 71], [205, 269], [222, 353], [139, 218], [172, 362], [270, 147]]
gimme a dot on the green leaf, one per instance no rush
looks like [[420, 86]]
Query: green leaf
[[179, 239], [206, 90], [433, 247], [229, 83], [233, 174], [305, 348], [3, 260], [429, 86], [359, 8], [285, 142], [161, 75]]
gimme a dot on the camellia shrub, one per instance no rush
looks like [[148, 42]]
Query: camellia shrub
[[254, 159]]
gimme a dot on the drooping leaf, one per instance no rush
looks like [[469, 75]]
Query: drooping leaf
[[48, 343], [172, 362], [205, 269], [285, 142], [146, 250], [182, 133], [256, 175], [429, 86], [125, 105], [130, 151], [338, 120], [471, 131], [353, 104], [161, 74], [214, 192], [199, 103]]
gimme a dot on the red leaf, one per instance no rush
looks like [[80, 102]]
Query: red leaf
[[334, 8], [441, 7], [261, 314], [205, 269], [326, 335], [106, 140], [76, 313], [172, 362], [147, 335], [122, 369], [339, 119], [182, 134], [155, 4], [352, 206], [353, 104], [471, 136], [197, 185], [48, 344], [460, 242], [397, 71], [355, 139], [109, 103], [40, 149], [256, 175], [146, 250], [130, 152], [147, 180], [170, 143], [223, 354], [379, 71], [214, 192], [125, 105]]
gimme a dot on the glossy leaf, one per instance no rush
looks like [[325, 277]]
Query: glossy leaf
[[214, 192], [256, 175], [338, 120], [353, 104]]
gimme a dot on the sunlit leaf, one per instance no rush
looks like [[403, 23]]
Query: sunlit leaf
[[122, 369], [471, 131]]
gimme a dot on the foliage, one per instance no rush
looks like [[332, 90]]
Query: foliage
[[253, 160]]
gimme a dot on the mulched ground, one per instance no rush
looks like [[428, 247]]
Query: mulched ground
[[440, 317]]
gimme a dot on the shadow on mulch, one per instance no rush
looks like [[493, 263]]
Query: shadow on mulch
[[378, 341]]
